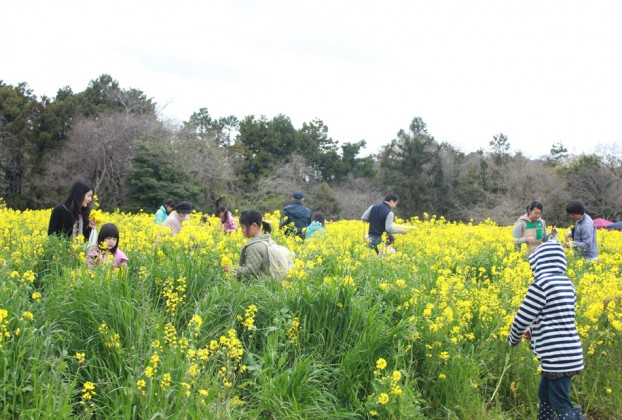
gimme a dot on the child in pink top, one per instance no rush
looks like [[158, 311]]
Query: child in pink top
[[107, 250], [227, 223]]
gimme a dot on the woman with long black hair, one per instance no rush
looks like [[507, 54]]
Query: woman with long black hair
[[71, 218]]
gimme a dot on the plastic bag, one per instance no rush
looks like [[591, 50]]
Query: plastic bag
[[92, 243]]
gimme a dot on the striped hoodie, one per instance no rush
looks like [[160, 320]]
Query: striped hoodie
[[549, 308]]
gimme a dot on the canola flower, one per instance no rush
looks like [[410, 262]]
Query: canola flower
[[455, 285]]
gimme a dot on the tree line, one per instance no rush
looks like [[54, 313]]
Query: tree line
[[115, 138]]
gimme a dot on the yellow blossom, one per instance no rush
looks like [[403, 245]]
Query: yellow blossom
[[383, 398], [381, 364]]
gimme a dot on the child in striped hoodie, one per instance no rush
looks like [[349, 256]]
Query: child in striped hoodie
[[547, 318]]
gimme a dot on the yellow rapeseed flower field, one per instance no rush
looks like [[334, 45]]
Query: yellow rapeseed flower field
[[446, 297]]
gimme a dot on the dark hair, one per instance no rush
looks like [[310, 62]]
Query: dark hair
[[535, 204], [248, 217], [574, 207], [169, 202], [391, 197], [319, 217], [390, 238], [109, 230], [76, 198], [223, 209]]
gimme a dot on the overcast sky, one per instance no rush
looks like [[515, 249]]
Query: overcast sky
[[540, 72]]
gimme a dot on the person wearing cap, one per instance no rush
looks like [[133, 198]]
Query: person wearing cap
[[380, 218], [175, 219], [296, 213]]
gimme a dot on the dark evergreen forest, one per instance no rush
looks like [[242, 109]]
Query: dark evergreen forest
[[115, 138]]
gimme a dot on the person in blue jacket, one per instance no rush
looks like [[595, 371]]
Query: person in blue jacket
[[163, 212], [316, 228], [296, 213], [582, 237]]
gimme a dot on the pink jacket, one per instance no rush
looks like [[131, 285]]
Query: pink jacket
[[229, 224], [95, 257]]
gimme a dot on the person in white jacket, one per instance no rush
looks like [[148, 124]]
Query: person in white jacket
[[174, 220]]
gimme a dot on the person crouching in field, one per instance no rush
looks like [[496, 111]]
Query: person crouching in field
[[254, 258], [227, 222], [316, 228], [547, 318], [164, 211], [107, 250]]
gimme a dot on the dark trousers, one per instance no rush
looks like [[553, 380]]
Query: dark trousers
[[374, 241], [556, 392]]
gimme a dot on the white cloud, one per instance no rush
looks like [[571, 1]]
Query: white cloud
[[540, 72]]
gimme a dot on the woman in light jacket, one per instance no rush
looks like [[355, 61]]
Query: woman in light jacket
[[530, 228]]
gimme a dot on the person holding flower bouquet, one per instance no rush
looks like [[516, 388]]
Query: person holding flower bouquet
[[71, 218], [107, 250]]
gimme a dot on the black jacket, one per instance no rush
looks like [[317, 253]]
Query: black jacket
[[298, 214], [61, 222]]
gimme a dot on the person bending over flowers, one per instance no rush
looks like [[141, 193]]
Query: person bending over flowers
[[254, 258]]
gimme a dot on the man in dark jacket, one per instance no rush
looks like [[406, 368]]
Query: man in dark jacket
[[296, 213], [380, 218]]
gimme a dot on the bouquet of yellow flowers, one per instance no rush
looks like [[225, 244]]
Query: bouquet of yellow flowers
[[97, 216]]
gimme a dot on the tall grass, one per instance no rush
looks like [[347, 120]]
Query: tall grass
[[347, 335]]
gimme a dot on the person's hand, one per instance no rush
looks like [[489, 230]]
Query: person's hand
[[531, 240], [92, 223], [403, 232], [554, 231], [226, 268], [527, 335], [567, 245]]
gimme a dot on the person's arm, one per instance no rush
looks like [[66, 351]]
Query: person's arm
[[365, 216], [252, 264], [552, 235], [92, 259], [284, 219], [388, 225], [56, 222], [585, 235], [527, 313], [518, 231]]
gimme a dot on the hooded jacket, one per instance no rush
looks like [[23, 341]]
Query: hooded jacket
[[549, 310], [298, 214], [160, 216]]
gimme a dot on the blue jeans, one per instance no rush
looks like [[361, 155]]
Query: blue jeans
[[556, 392], [374, 241]]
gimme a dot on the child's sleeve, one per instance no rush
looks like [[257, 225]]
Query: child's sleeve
[[91, 259], [527, 313]]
